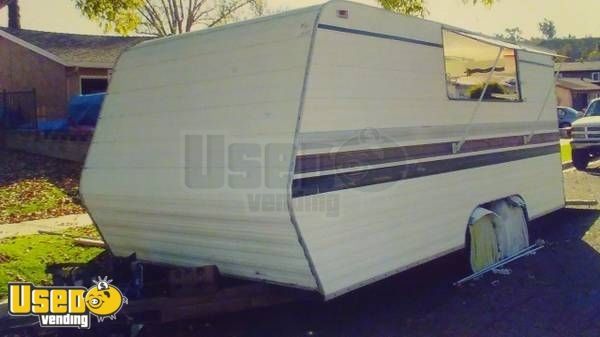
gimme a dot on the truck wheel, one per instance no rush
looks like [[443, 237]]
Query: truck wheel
[[581, 159]]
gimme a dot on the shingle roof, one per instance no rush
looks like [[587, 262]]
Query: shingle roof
[[76, 49], [579, 66], [577, 84]]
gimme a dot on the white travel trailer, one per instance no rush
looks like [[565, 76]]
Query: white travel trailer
[[323, 148]]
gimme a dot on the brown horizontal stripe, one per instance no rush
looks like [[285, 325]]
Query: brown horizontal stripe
[[349, 159], [334, 182]]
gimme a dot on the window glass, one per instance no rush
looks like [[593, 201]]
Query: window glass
[[594, 109], [570, 112], [468, 66], [93, 85]]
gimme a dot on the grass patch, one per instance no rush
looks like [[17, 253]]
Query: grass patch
[[25, 258], [565, 152]]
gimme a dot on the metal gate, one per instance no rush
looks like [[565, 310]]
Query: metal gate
[[18, 109]]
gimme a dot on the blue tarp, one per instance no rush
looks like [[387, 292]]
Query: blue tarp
[[83, 112], [85, 109], [53, 125]]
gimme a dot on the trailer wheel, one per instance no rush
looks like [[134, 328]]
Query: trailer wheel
[[581, 159]]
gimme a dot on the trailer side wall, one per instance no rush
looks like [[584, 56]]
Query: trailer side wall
[[375, 137], [193, 136]]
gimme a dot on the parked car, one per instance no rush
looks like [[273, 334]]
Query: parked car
[[586, 136], [567, 115]]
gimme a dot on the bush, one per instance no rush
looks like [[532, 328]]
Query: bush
[[493, 88]]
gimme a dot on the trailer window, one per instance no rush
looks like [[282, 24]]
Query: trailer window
[[468, 65]]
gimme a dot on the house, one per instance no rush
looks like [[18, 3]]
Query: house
[[576, 92], [57, 66], [583, 70]]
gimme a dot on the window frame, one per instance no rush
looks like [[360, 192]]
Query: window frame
[[597, 79], [517, 70]]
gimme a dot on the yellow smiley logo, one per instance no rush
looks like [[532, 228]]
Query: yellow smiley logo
[[104, 300]]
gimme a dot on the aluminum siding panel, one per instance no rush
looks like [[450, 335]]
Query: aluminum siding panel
[[360, 82], [242, 82]]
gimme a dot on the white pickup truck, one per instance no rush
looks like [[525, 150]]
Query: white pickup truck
[[586, 136]]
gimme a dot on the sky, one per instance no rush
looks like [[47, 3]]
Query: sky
[[576, 17]]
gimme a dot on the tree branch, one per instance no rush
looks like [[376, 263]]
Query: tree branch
[[156, 19], [226, 12]]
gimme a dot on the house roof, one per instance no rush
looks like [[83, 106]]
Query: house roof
[[94, 51], [579, 66], [576, 84]]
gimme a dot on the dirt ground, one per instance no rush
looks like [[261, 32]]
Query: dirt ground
[[34, 187], [583, 185], [553, 293]]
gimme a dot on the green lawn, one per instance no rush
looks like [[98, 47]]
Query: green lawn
[[565, 152], [25, 258]]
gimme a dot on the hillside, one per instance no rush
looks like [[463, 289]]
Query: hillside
[[583, 49]]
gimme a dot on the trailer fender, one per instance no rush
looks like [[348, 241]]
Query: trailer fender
[[496, 229]]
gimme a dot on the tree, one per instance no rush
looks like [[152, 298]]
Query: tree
[[548, 29], [512, 34], [14, 15], [593, 56], [165, 17], [418, 7], [567, 50]]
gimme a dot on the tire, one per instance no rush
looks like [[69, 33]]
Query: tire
[[581, 159]]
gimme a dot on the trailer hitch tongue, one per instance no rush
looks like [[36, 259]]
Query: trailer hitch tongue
[[539, 244]]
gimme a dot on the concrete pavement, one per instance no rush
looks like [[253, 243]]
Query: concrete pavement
[[54, 225]]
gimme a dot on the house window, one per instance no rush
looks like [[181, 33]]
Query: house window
[[469, 62], [596, 77], [93, 85]]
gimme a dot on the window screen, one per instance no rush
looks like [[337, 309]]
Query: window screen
[[468, 66]]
